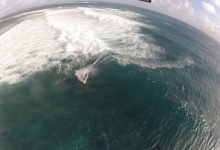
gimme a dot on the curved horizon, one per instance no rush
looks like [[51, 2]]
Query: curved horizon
[[200, 20], [106, 76]]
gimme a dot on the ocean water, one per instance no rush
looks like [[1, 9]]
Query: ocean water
[[104, 76]]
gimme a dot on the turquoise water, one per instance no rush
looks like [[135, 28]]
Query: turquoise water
[[158, 83]]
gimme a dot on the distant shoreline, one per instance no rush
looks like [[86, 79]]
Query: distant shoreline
[[7, 24]]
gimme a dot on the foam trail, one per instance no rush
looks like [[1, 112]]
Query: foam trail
[[155, 63], [95, 64]]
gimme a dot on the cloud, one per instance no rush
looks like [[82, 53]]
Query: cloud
[[217, 2], [7, 6], [210, 8], [209, 24], [3, 3], [182, 10], [215, 31], [175, 7], [186, 4], [191, 11], [165, 4], [203, 23]]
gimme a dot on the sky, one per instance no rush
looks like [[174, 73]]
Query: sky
[[202, 14]]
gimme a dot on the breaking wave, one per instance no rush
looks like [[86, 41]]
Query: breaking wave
[[71, 38]]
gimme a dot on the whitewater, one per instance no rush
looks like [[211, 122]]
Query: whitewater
[[77, 36], [106, 76]]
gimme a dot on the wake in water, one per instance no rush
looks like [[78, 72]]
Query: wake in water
[[83, 74]]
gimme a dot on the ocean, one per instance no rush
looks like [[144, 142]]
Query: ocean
[[81, 76]]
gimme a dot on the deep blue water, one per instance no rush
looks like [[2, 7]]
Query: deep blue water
[[171, 100]]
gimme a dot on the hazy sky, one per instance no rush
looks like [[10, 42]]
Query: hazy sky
[[202, 14]]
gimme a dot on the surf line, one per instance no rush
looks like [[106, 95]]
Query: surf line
[[97, 62]]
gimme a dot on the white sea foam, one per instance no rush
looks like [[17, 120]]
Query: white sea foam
[[155, 63], [88, 33], [25, 49], [70, 38], [74, 33], [107, 17], [167, 23]]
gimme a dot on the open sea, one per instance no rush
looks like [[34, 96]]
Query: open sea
[[100, 76]]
